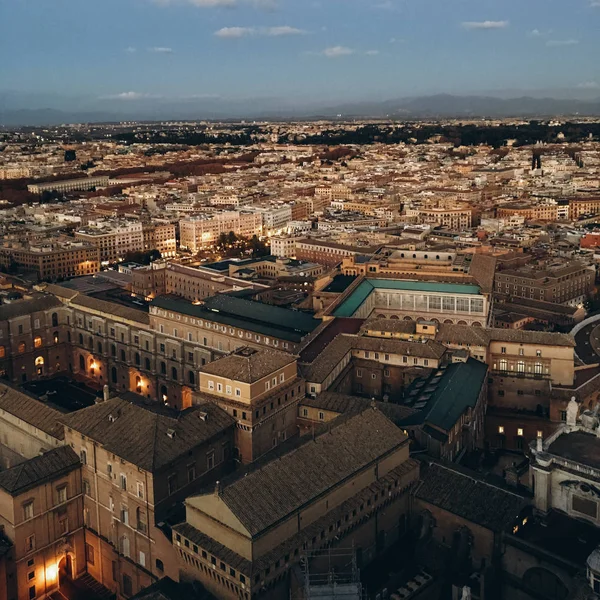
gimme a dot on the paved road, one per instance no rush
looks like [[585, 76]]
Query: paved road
[[584, 348]]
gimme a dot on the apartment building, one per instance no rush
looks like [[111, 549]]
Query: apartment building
[[34, 338], [583, 206], [452, 217], [161, 237], [284, 246], [52, 261], [69, 185], [138, 459], [261, 389], [346, 486], [191, 283], [114, 239], [327, 253], [559, 282], [41, 514], [201, 231], [530, 212]]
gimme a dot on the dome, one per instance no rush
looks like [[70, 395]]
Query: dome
[[593, 561]]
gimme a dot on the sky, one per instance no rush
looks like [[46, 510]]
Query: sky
[[296, 50]]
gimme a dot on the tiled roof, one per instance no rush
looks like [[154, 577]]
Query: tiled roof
[[28, 306], [34, 472], [146, 434], [249, 365], [425, 349], [270, 494], [468, 497], [544, 338], [32, 411], [111, 308]]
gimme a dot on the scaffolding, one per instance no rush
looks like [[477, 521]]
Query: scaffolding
[[331, 574]]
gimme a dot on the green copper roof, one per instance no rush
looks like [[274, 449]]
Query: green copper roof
[[362, 292]]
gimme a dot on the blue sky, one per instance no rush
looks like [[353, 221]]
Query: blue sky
[[297, 49]]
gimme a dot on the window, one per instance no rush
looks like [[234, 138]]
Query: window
[[160, 565], [123, 481], [21, 348], [61, 494], [125, 514], [520, 432], [140, 520], [138, 359], [540, 433], [30, 543], [538, 353], [37, 342], [127, 584], [147, 364], [162, 348], [305, 412], [32, 593], [321, 416], [172, 484], [210, 460], [359, 372], [142, 559], [173, 373], [211, 385], [521, 351], [219, 387], [228, 390], [563, 415], [140, 490], [163, 368], [503, 350], [28, 510], [123, 356], [501, 429], [89, 554]]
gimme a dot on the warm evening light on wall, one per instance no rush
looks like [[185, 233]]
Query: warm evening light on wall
[[51, 572]]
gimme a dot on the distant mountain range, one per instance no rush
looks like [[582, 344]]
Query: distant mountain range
[[214, 108]]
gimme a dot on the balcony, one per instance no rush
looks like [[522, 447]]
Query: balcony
[[520, 374]]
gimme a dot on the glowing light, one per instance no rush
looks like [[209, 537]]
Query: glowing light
[[51, 572], [94, 365]]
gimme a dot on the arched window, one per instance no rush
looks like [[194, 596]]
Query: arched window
[[504, 365], [521, 366], [99, 347], [81, 339], [173, 373], [54, 319], [113, 374], [163, 368], [37, 342], [81, 362], [39, 361], [21, 348], [537, 368], [55, 337], [113, 350], [138, 360], [123, 356], [191, 378], [147, 364]]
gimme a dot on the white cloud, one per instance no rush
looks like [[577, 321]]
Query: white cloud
[[234, 32], [284, 30], [337, 51], [372, 52], [555, 43], [485, 24], [239, 32], [160, 50], [589, 85], [262, 4], [130, 49], [539, 32], [128, 96]]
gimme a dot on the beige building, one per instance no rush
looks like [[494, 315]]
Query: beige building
[[41, 502], [52, 260], [113, 239], [138, 460], [199, 232], [346, 486], [69, 185], [161, 237], [261, 390]]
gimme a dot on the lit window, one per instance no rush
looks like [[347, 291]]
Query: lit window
[[520, 432], [501, 429], [540, 433]]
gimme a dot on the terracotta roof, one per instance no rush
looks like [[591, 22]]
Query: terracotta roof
[[282, 486], [112, 309], [34, 472], [147, 434], [28, 306], [469, 497], [32, 411], [249, 365]]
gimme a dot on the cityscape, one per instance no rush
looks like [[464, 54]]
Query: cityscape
[[300, 302]]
